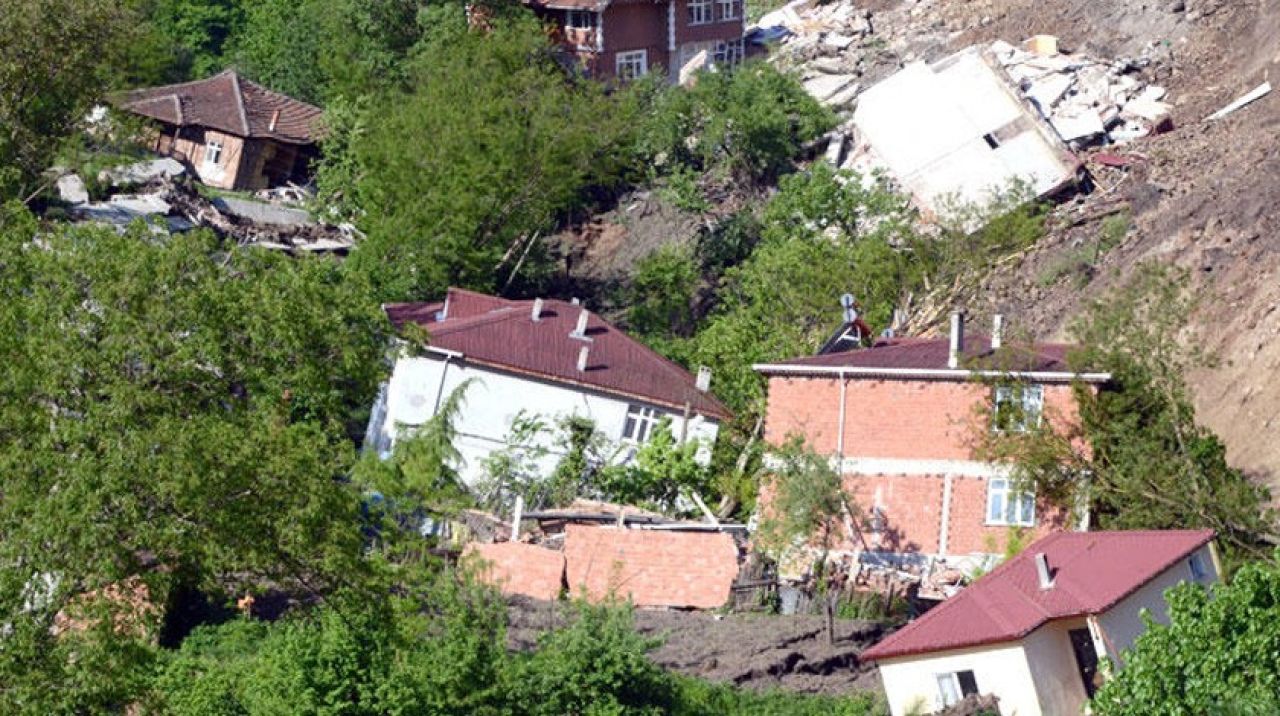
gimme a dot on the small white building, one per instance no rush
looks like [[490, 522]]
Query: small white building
[[1035, 630], [540, 359]]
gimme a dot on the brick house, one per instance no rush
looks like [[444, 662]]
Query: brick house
[[899, 418], [625, 39], [234, 133]]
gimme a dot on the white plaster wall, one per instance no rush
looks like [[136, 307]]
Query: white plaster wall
[[1053, 667], [911, 684], [416, 389], [1122, 623]]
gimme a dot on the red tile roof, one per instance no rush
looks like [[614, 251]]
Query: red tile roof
[[503, 334], [228, 103], [931, 354], [1092, 571]]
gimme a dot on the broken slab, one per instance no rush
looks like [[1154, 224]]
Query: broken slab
[[263, 213], [1083, 126], [72, 190], [824, 87], [142, 172]]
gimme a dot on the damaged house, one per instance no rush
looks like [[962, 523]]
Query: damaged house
[[898, 418], [626, 39], [233, 133], [542, 359]]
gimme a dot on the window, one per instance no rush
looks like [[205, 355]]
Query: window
[[580, 20], [700, 12], [1018, 408], [1006, 507], [955, 686], [728, 53], [1196, 565], [729, 9], [633, 64], [991, 141], [639, 424], [213, 152]]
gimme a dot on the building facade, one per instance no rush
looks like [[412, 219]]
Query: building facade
[[541, 361], [626, 39], [901, 419]]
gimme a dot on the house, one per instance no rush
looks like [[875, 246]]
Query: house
[[625, 39], [234, 133], [953, 131], [899, 419], [543, 359], [1035, 631]]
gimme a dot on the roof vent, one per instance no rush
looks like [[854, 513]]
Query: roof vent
[[443, 313], [997, 329], [957, 340], [580, 331], [704, 379], [536, 314], [575, 301], [582, 358], [1042, 570]]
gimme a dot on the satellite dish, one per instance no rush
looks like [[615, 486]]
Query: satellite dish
[[847, 300]]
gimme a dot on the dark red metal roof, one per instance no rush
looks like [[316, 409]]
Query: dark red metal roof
[[229, 103], [502, 333], [932, 354], [1092, 571]]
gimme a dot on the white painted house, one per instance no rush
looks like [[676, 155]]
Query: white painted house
[[1034, 631], [542, 359]]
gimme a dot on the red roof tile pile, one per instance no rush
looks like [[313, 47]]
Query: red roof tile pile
[[1091, 572], [497, 332], [228, 103]]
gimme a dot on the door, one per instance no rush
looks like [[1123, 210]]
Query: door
[[1086, 658]]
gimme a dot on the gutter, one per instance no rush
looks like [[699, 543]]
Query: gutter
[[927, 373]]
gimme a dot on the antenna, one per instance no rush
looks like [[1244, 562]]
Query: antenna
[[849, 303]]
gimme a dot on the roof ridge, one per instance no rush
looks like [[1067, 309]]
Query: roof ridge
[[239, 93]]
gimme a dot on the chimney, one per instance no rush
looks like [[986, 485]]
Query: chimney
[[275, 117], [997, 331], [957, 340], [704, 379], [536, 315], [575, 301], [582, 358], [580, 331], [1042, 569]]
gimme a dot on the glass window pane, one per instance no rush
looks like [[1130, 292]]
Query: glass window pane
[[948, 689], [995, 509], [968, 684]]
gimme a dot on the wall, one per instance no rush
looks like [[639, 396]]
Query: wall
[[655, 568], [910, 682], [520, 569], [718, 30], [634, 26], [495, 399], [1052, 660], [188, 144], [1122, 624]]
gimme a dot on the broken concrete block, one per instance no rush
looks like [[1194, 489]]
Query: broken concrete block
[[1085, 125], [1152, 111], [1049, 91], [836, 41], [142, 172], [1043, 45], [824, 87], [71, 189], [844, 97], [263, 213]]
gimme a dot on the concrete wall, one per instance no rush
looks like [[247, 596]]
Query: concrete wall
[[911, 684], [1122, 624], [418, 384]]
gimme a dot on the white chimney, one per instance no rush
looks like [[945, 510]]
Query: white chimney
[[536, 314], [957, 340], [275, 117], [997, 331], [582, 358], [704, 379], [581, 330], [1042, 570]]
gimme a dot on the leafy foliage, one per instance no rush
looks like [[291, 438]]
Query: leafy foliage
[[1216, 656]]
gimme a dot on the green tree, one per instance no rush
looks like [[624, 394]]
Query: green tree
[[173, 412], [663, 471], [194, 31], [56, 59], [1219, 654], [662, 295]]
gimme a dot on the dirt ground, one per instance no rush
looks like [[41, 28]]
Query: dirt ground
[[753, 651]]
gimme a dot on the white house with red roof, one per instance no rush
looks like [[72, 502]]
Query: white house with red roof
[[1036, 630], [899, 417], [544, 359]]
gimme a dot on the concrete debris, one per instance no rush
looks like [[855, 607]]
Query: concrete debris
[[72, 190], [142, 172], [1256, 94], [261, 213], [288, 194]]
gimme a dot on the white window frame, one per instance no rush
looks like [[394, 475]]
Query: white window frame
[[1007, 507], [950, 692], [702, 12], [729, 9], [574, 19], [639, 424], [1031, 410], [729, 52], [631, 64], [213, 149]]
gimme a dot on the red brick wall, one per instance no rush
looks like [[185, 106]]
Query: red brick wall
[[912, 506], [718, 30], [522, 569], [634, 26], [968, 531], [652, 567], [901, 419]]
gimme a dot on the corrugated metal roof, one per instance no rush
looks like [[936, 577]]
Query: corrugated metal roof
[[502, 333], [1092, 571]]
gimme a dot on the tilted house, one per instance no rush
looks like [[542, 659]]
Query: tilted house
[[543, 359], [900, 418], [235, 134], [626, 39], [1034, 632]]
